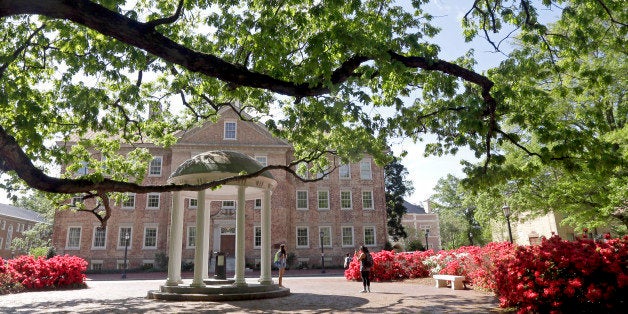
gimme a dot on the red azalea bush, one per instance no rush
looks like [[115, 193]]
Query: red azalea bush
[[388, 266], [565, 276], [40, 273]]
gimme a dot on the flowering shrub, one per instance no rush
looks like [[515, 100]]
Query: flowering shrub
[[40, 273], [555, 276], [388, 266], [565, 276]]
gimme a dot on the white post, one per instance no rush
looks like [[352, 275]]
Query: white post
[[239, 252], [199, 257], [175, 242], [265, 264], [207, 234]]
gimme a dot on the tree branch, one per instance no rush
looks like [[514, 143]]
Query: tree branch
[[167, 20], [19, 50]]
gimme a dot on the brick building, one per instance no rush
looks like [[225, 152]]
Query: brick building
[[418, 222], [347, 207], [13, 222]]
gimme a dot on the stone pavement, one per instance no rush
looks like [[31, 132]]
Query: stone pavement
[[312, 292]]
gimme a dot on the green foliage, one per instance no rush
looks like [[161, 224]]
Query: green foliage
[[415, 245], [338, 76]]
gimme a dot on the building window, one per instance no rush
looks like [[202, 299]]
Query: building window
[[365, 170], [155, 167], [345, 171], [4, 224], [74, 237], [323, 200], [7, 244], [152, 201], [96, 265], [369, 236], [150, 237], [191, 236], [367, 199], [257, 239], [1, 240], [123, 240], [326, 238], [100, 236], [129, 202], [347, 236], [258, 203], [120, 264], [83, 169], [345, 200], [262, 160], [302, 237], [77, 200], [193, 203], [228, 207], [230, 130], [302, 200]]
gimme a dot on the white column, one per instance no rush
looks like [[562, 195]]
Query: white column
[[199, 257], [175, 241], [265, 273], [239, 251], [206, 246]]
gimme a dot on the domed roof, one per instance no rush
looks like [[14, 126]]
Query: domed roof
[[223, 162]]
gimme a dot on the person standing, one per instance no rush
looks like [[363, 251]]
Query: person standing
[[280, 261], [347, 261], [366, 262]]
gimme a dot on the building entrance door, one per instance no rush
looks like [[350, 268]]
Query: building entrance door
[[227, 244]]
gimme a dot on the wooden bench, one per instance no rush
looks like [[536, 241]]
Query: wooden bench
[[457, 282]]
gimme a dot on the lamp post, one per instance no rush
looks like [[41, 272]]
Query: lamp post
[[427, 233], [506, 210], [322, 253], [126, 248]]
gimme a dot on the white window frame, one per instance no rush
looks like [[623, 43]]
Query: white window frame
[[226, 131], [374, 235], [307, 236], [256, 205], [344, 172], [144, 238], [146, 262], [83, 169], [327, 240], [343, 229], [342, 203], [262, 159], [154, 170], [256, 237], [148, 200], [195, 206], [187, 237], [301, 199], [104, 246], [366, 170], [76, 199], [120, 243], [318, 199], [67, 242], [1, 241], [96, 262], [130, 196], [364, 205]]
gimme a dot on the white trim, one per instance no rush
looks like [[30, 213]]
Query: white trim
[[342, 238], [148, 201], [125, 226], [235, 131], [347, 168], [318, 207], [307, 229], [262, 157], [350, 200], [321, 228], [372, 200], [306, 199], [96, 228], [67, 237], [161, 166], [366, 161], [129, 195], [255, 228], [156, 227], [187, 237], [374, 235], [96, 262]]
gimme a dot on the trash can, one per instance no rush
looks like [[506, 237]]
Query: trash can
[[221, 266]]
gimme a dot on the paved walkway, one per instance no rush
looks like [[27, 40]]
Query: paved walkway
[[311, 292]]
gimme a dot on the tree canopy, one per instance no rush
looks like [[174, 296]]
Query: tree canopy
[[328, 76]]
